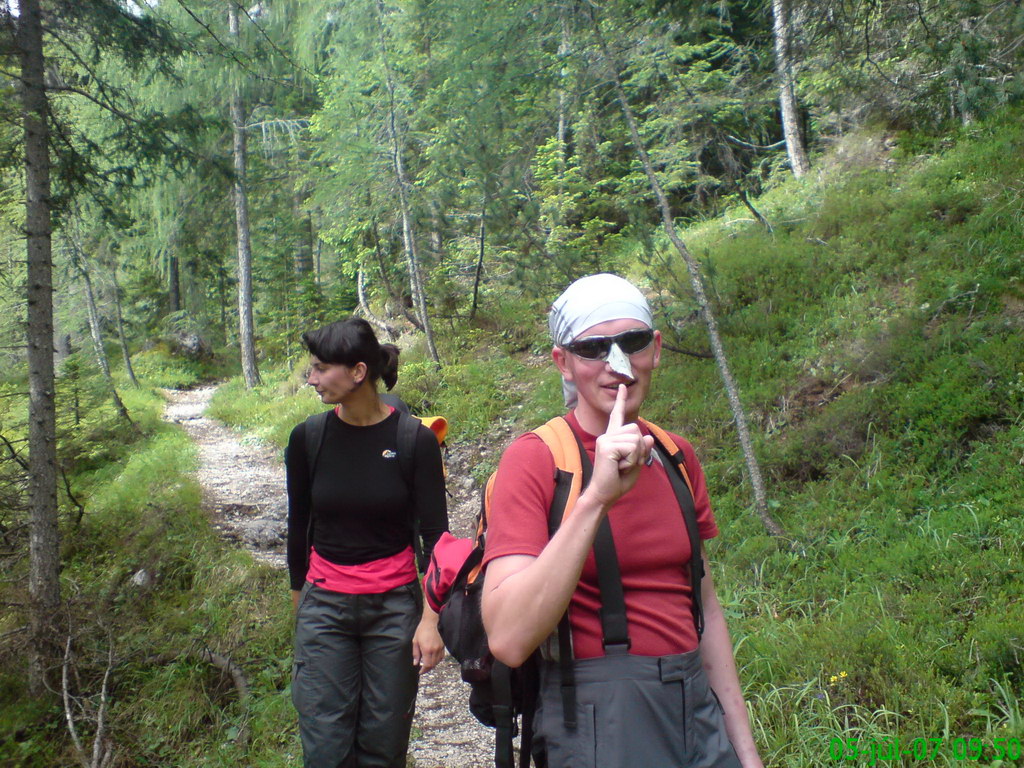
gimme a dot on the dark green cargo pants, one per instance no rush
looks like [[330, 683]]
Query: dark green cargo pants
[[353, 680]]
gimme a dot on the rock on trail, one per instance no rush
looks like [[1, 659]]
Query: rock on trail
[[242, 480]]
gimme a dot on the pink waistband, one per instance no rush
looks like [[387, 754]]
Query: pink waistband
[[369, 578]]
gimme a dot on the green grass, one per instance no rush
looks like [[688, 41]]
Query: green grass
[[878, 339], [168, 706], [879, 347]]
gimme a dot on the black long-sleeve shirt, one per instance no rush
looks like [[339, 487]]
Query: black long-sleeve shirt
[[360, 506]]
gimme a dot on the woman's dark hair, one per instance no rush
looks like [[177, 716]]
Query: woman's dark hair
[[353, 341]]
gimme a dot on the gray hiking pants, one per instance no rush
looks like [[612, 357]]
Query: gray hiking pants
[[353, 681], [635, 712]]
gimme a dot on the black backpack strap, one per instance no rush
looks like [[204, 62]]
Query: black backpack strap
[[674, 461], [316, 428], [504, 716], [614, 626], [563, 482], [530, 682], [408, 428], [394, 401]]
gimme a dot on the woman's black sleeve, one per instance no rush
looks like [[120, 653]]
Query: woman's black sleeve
[[299, 486], [429, 490]]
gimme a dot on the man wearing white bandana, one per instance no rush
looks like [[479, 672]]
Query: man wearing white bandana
[[665, 696]]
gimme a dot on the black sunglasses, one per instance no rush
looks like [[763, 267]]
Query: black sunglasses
[[598, 347]]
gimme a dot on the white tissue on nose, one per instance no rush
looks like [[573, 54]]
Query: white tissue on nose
[[619, 362]]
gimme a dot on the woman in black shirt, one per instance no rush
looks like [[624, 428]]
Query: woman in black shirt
[[362, 633]]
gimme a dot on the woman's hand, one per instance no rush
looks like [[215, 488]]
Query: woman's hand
[[427, 646]]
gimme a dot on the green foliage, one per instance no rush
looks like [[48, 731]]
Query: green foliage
[[168, 705], [877, 340], [269, 411], [159, 366], [876, 330]]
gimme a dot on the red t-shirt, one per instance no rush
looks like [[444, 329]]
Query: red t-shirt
[[650, 540]]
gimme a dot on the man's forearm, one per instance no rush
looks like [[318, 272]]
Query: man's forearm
[[720, 667], [525, 597]]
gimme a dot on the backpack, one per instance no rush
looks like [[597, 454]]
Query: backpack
[[408, 426], [500, 696]]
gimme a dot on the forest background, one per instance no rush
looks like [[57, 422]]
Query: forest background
[[822, 199]]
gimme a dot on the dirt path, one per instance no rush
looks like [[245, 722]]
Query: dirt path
[[243, 492]]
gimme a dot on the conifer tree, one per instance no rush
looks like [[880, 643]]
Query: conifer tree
[[50, 142], [796, 147], [239, 153], [697, 282]]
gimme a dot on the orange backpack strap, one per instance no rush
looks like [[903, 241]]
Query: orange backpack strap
[[565, 450], [481, 525], [673, 450]]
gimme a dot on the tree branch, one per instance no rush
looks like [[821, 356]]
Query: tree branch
[[14, 454], [69, 715], [689, 352]]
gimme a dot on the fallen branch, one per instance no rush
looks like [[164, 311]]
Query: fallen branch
[[757, 214], [228, 667], [102, 748]]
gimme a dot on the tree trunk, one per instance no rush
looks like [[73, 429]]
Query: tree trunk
[[97, 338], [246, 332], [732, 391], [396, 296], [795, 146], [121, 338], [436, 238], [222, 294], [364, 307], [480, 258], [173, 283], [303, 259], [563, 102], [44, 536], [408, 236]]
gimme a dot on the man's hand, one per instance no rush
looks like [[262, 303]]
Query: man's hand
[[620, 453]]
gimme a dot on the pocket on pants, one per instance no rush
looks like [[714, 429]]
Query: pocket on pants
[[298, 700], [709, 741], [570, 748]]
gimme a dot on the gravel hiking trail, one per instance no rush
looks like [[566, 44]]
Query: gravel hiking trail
[[244, 495]]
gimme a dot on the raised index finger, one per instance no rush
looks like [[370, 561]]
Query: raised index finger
[[618, 415]]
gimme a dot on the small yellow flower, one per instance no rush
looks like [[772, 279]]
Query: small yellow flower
[[833, 679], [842, 674]]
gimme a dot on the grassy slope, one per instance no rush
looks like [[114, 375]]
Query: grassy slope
[[167, 705], [877, 339], [878, 336]]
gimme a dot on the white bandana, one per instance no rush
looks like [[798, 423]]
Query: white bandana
[[592, 300]]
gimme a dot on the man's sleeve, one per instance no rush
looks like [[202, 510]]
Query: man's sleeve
[[521, 498]]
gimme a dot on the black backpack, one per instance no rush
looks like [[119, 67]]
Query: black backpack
[[499, 696]]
